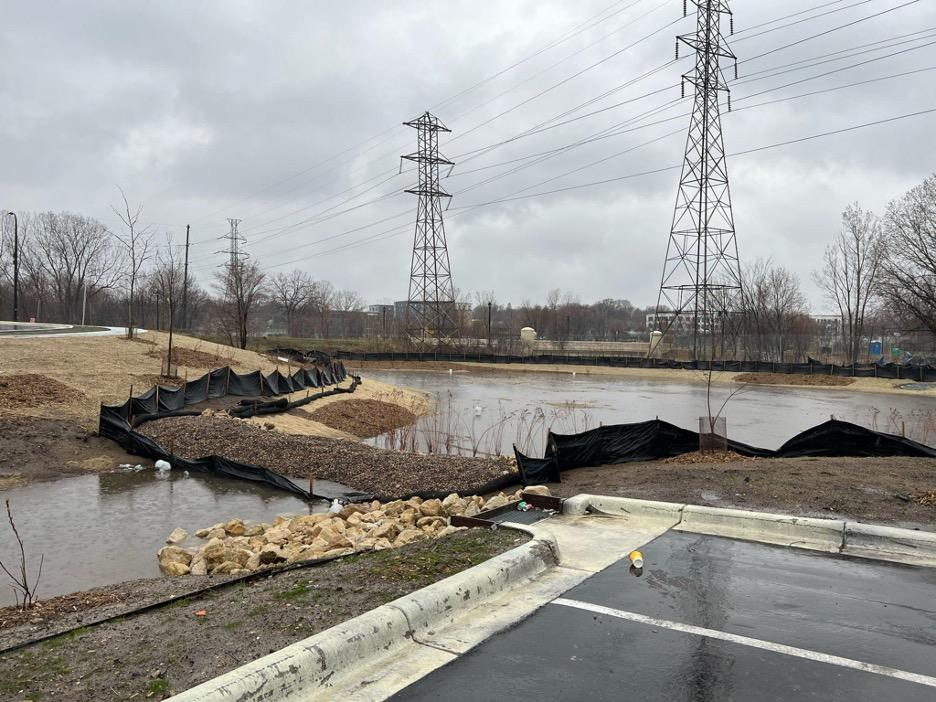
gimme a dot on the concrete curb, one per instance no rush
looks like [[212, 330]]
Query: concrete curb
[[890, 543], [803, 532], [311, 666], [830, 535], [623, 507]]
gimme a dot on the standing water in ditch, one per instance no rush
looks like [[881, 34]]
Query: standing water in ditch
[[101, 529], [489, 413]]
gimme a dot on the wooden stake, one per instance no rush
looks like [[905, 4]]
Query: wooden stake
[[130, 407], [311, 483]]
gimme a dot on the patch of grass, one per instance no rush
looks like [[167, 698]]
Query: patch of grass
[[183, 602], [58, 641], [232, 625], [436, 559], [158, 686], [299, 592]]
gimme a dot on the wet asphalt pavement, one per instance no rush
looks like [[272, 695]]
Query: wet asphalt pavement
[[806, 606]]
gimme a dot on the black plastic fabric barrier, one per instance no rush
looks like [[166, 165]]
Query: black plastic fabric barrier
[[116, 421], [920, 373], [648, 441]]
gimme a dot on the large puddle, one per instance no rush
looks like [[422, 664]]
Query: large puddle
[[101, 529], [487, 413]]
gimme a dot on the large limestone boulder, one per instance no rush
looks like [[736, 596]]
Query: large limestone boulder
[[277, 535], [387, 530], [235, 527], [175, 569], [271, 553], [254, 530], [374, 516], [381, 544], [237, 555], [431, 508], [348, 510], [212, 552], [177, 535], [471, 509], [335, 552], [392, 509], [253, 562], [497, 501], [198, 566], [408, 517], [225, 568], [427, 521], [408, 536], [173, 555], [537, 490], [453, 504]]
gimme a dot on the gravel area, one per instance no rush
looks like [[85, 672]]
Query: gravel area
[[379, 471]]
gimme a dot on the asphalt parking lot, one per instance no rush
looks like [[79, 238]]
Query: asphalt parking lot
[[712, 618]]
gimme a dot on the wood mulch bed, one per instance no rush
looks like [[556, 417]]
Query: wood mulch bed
[[33, 390], [364, 418]]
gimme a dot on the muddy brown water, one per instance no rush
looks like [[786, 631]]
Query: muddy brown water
[[494, 411], [105, 528]]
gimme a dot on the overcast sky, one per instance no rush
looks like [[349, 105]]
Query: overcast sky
[[288, 114]]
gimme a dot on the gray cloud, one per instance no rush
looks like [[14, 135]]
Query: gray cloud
[[197, 110]]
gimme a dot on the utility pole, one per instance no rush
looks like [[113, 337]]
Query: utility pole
[[701, 271], [185, 282], [489, 324], [15, 266], [430, 308], [84, 303]]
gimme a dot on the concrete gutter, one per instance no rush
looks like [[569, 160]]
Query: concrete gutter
[[830, 535], [312, 667]]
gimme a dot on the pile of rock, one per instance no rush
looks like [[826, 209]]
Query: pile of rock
[[235, 547]]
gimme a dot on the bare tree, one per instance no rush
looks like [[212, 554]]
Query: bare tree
[[320, 303], [910, 266], [291, 292], [241, 286], [168, 279], [67, 255], [852, 271], [23, 590], [137, 241]]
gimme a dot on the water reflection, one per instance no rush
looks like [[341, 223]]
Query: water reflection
[[520, 408]]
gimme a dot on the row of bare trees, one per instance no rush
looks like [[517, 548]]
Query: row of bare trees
[[884, 265]]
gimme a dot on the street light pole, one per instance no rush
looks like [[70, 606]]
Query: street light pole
[[15, 266]]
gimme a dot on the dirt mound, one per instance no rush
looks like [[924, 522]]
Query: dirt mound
[[191, 358], [32, 390], [792, 379], [364, 418], [357, 465], [707, 457], [33, 448]]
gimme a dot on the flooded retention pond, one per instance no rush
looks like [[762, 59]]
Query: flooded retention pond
[[105, 528], [491, 412], [101, 529]]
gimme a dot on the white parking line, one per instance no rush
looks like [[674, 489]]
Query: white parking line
[[754, 643]]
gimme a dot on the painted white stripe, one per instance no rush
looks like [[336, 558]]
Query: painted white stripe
[[754, 643]]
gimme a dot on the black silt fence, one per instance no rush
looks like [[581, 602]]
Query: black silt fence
[[922, 373], [656, 439], [117, 422]]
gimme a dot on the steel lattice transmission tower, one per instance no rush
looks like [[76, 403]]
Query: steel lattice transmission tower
[[430, 307], [701, 273]]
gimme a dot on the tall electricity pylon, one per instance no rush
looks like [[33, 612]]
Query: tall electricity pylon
[[430, 309], [701, 272]]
